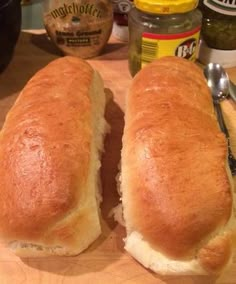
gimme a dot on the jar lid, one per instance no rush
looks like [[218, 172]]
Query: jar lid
[[166, 6]]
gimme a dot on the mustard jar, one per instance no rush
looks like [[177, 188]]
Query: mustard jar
[[160, 28], [79, 27]]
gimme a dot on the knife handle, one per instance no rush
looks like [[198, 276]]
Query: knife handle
[[221, 119], [231, 158], [232, 91]]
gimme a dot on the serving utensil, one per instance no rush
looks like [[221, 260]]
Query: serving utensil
[[218, 82], [232, 90]]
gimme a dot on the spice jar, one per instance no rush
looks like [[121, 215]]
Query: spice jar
[[79, 27], [121, 10], [160, 28], [218, 34]]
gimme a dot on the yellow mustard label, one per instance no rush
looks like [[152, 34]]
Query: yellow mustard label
[[158, 45]]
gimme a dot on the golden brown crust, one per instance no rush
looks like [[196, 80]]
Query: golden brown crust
[[215, 255], [174, 181], [45, 151]]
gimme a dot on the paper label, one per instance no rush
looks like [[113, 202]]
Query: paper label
[[158, 45], [226, 7], [79, 27]]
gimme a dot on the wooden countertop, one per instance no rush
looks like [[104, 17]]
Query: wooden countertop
[[105, 261]]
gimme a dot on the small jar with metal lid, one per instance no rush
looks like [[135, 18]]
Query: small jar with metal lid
[[160, 28]]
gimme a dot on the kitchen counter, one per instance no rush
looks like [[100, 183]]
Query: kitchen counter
[[105, 261]]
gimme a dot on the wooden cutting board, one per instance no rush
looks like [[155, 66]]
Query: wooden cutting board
[[105, 261]]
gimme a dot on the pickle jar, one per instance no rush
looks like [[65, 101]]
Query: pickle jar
[[160, 28], [219, 24]]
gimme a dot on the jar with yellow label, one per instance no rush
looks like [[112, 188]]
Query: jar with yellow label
[[160, 28]]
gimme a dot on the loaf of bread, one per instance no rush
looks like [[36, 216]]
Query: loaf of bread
[[177, 190], [50, 148]]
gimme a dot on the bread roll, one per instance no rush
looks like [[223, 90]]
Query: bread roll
[[49, 161], [177, 190]]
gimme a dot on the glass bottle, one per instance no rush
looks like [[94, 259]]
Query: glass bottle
[[121, 9]]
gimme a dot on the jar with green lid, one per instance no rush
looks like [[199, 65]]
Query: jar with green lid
[[219, 23], [160, 28]]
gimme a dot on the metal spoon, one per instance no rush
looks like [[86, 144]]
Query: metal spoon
[[218, 82]]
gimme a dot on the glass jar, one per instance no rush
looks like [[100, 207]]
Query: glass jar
[[79, 27], [219, 24], [160, 28], [10, 25]]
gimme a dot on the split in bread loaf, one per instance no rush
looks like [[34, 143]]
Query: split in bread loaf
[[177, 190], [50, 148]]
